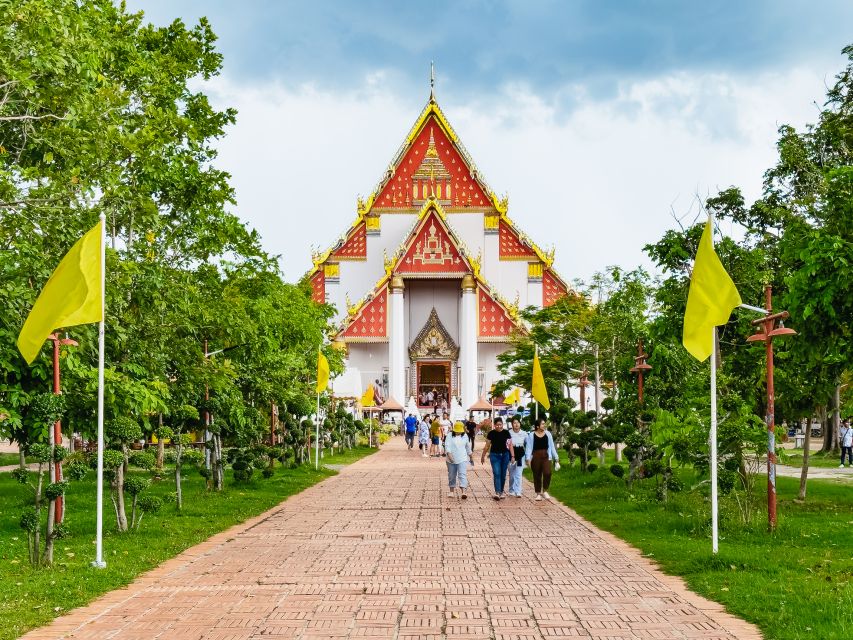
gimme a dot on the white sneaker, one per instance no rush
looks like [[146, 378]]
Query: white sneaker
[[517, 495], [545, 495], [841, 466], [538, 497], [451, 495]]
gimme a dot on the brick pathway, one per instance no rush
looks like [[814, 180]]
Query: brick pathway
[[380, 551]]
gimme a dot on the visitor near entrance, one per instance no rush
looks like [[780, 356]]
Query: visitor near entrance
[[435, 436], [500, 456], [458, 456], [411, 430], [423, 436], [539, 452], [446, 426], [845, 435], [518, 439], [471, 429]]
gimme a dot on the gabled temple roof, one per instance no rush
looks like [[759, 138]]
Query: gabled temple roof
[[439, 159], [360, 313]]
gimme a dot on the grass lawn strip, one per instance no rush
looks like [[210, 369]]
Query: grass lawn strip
[[795, 584], [31, 598]]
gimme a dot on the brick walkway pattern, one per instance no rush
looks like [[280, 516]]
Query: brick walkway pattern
[[380, 551]]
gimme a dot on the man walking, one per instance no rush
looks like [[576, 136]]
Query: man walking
[[411, 430], [845, 436]]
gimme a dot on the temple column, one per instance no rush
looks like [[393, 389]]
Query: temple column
[[468, 342], [397, 343]]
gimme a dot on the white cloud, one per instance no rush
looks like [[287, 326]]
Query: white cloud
[[598, 183]]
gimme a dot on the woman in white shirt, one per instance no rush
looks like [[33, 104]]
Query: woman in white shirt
[[519, 440], [458, 450]]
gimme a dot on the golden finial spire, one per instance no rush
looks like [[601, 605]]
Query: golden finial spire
[[431, 81]]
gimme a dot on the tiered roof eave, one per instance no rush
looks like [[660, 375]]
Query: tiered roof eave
[[500, 205]]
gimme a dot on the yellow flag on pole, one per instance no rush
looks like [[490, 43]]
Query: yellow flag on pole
[[73, 295], [322, 372], [711, 299], [538, 390], [513, 396], [367, 398]]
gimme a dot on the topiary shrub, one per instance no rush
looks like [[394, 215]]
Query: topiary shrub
[[268, 472], [591, 467], [148, 504], [143, 460], [76, 470], [674, 484], [726, 481], [617, 470]]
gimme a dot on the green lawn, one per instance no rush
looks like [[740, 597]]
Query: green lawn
[[794, 458], [9, 458], [30, 598], [795, 584]]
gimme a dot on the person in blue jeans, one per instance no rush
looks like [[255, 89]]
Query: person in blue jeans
[[500, 454], [411, 429]]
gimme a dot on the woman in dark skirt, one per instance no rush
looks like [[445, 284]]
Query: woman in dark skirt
[[540, 452]]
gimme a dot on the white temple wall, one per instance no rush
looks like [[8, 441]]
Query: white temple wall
[[359, 276], [469, 228], [421, 296], [370, 359], [487, 363]]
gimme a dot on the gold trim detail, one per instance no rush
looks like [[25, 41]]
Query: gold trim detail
[[332, 270], [535, 270], [491, 222]]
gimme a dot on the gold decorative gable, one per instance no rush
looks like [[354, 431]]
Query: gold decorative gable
[[433, 341]]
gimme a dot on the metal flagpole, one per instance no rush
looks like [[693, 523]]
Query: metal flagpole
[[714, 509], [317, 442], [99, 527]]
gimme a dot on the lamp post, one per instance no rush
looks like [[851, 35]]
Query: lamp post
[[56, 435], [770, 331], [640, 367]]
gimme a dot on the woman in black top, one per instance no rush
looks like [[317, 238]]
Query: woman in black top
[[500, 455]]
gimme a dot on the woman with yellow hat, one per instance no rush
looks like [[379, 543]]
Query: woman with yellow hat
[[458, 449]]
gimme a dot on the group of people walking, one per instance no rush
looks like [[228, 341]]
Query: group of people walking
[[509, 451]]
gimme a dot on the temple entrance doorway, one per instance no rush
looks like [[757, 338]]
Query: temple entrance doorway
[[433, 384]]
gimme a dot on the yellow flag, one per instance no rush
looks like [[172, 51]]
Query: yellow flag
[[513, 396], [367, 398], [538, 390], [73, 295], [710, 301], [322, 372]]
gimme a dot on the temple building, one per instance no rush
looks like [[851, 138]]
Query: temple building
[[429, 278]]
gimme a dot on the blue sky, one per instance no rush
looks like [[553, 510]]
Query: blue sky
[[627, 110], [478, 45]]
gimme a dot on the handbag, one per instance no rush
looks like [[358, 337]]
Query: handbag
[[519, 455]]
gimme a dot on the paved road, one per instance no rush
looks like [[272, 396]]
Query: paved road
[[380, 551]]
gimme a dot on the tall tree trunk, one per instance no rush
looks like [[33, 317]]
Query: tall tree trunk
[[47, 557], [178, 452], [829, 440], [804, 473], [836, 419], [121, 514], [217, 463], [161, 445], [22, 457]]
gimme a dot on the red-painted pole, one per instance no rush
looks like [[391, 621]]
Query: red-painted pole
[[768, 322]]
